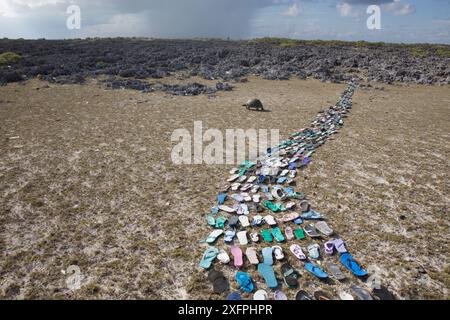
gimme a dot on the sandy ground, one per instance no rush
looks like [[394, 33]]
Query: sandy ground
[[86, 179]]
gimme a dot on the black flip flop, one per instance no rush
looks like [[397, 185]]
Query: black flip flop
[[322, 295], [382, 294], [220, 283], [302, 295], [289, 275], [311, 231]]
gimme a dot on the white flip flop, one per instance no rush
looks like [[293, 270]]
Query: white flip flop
[[256, 198], [254, 236], [242, 237], [233, 177], [270, 220], [226, 209], [244, 221], [223, 257], [252, 255], [260, 295], [278, 252]]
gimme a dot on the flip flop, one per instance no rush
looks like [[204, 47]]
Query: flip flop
[[242, 209], [237, 256], [302, 295], [208, 257], [289, 233], [304, 206], [278, 252], [220, 222], [244, 281], [242, 237], [234, 170], [335, 271], [339, 244], [313, 251], [279, 295], [227, 209], [315, 270], [271, 206], [276, 232], [244, 221], [252, 255], [234, 296], [311, 215], [284, 172], [343, 295], [254, 189], [350, 263], [382, 293], [260, 295], [237, 197], [251, 179], [219, 282], [329, 247], [266, 271], [298, 221], [322, 295], [256, 198], [299, 234], [297, 251], [221, 197], [289, 217], [257, 221], [241, 179], [267, 255], [235, 186], [213, 236], [229, 236], [211, 220], [290, 275], [232, 223], [267, 235], [360, 293], [246, 187], [281, 180], [233, 177], [311, 231], [323, 227], [270, 220], [254, 236], [223, 257], [290, 205]]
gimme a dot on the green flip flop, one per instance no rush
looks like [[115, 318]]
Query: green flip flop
[[220, 222], [208, 257], [211, 220], [272, 206], [299, 233], [276, 232], [267, 235]]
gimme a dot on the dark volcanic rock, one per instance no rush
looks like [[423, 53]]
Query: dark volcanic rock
[[71, 61]]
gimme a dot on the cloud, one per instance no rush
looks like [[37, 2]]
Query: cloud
[[293, 11], [347, 10], [445, 22], [398, 8]]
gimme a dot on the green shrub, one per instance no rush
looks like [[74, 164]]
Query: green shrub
[[419, 52], [9, 57]]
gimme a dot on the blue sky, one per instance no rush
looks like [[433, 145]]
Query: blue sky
[[401, 20]]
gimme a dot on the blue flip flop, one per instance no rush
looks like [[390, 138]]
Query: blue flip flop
[[221, 198], [267, 255], [311, 215], [266, 271], [208, 257], [350, 263], [315, 270], [245, 282], [234, 296]]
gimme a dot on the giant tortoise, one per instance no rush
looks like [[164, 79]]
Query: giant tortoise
[[254, 104]]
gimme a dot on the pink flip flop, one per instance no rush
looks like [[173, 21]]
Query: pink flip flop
[[289, 233], [289, 217], [237, 256]]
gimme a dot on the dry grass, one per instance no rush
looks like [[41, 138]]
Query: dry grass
[[89, 182]]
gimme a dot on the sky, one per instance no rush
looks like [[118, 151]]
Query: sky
[[407, 21]]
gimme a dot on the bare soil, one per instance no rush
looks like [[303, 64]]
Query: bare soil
[[86, 179]]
